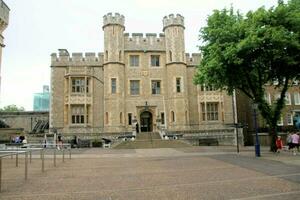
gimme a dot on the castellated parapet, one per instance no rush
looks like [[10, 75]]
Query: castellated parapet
[[139, 42], [77, 59], [171, 20], [193, 59], [117, 19]]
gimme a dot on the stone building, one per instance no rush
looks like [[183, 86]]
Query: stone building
[[4, 15], [144, 79]]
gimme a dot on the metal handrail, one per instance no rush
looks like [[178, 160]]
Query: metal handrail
[[11, 151]]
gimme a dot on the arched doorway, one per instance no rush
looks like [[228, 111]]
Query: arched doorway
[[146, 121]]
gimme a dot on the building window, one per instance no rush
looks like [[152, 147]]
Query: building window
[[106, 55], [113, 85], [207, 88], [134, 60], [106, 118], [162, 116], [290, 119], [129, 118], [172, 116], [170, 56], [186, 117], [287, 99], [134, 87], [297, 98], [178, 85], [155, 87], [78, 85], [120, 55], [212, 111], [155, 60], [77, 114], [203, 111], [87, 85], [121, 118]]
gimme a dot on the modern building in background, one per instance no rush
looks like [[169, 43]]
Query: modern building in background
[[4, 16], [41, 100], [148, 80]]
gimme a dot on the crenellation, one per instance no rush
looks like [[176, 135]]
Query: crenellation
[[147, 42], [193, 59], [77, 59], [116, 19], [171, 20]]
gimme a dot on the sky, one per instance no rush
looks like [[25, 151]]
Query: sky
[[38, 28]]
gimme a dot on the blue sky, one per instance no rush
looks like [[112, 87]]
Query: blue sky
[[38, 28]]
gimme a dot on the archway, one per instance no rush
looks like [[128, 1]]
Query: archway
[[146, 121]]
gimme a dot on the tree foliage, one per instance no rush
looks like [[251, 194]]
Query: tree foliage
[[12, 108], [248, 52]]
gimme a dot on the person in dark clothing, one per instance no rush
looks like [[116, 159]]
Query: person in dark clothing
[[137, 127]]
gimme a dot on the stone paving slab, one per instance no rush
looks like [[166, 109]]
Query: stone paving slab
[[151, 174]]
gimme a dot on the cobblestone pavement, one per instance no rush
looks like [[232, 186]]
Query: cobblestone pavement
[[189, 173]]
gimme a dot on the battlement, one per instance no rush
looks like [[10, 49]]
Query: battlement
[[109, 19], [149, 42], [77, 59], [4, 15], [171, 20], [193, 60]]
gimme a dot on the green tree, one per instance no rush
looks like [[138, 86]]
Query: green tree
[[248, 52], [12, 108]]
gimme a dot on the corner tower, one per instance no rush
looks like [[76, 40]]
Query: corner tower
[[114, 96], [173, 27]]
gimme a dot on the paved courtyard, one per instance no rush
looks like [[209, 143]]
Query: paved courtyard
[[189, 173]]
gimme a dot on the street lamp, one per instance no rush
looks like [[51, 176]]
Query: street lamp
[[257, 145]]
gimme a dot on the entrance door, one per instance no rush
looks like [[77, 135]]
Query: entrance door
[[146, 121]]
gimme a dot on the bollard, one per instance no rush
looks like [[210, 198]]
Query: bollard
[[70, 153], [54, 157], [43, 164], [63, 155], [17, 160], [30, 155], [26, 165]]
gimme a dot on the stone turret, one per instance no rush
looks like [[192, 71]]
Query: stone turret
[[113, 26], [174, 33], [109, 19], [173, 27], [171, 20]]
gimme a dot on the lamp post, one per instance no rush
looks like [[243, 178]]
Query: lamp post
[[257, 145]]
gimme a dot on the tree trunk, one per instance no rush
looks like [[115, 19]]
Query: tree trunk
[[273, 134]]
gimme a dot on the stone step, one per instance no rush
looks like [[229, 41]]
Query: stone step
[[148, 136], [146, 144]]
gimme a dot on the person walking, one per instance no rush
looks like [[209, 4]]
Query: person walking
[[289, 141], [279, 144], [295, 142]]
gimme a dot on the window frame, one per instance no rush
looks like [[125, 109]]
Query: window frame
[[134, 62], [155, 63], [131, 89]]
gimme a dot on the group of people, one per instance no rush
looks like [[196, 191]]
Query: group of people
[[19, 139], [292, 141]]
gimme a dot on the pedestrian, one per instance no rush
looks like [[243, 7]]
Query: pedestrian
[[279, 144], [295, 142], [59, 142], [137, 127], [289, 141]]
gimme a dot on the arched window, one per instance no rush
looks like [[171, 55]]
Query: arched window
[[106, 118], [170, 56], [172, 116], [120, 55], [121, 118], [186, 117], [106, 55]]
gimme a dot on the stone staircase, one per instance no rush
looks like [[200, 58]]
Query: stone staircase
[[147, 140]]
